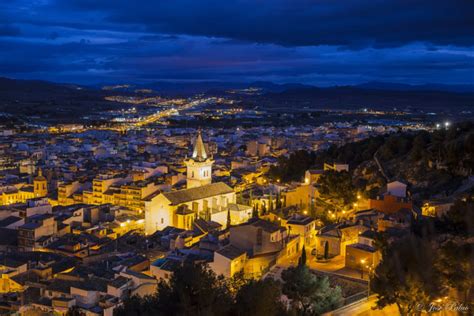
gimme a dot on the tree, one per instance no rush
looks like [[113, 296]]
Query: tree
[[336, 189], [455, 264], [138, 306], [260, 297], [278, 203], [228, 218], [406, 275], [459, 220], [326, 250], [293, 167], [236, 282], [255, 211], [75, 311], [310, 294], [302, 259], [192, 290], [270, 202], [264, 208]]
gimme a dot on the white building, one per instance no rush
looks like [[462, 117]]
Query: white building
[[201, 199], [397, 188]]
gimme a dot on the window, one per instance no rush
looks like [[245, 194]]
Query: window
[[162, 220]]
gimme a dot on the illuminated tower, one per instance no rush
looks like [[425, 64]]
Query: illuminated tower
[[199, 166], [40, 185]]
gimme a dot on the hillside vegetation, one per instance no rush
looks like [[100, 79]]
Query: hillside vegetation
[[431, 163]]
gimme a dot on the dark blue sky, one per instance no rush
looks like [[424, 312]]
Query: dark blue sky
[[314, 42]]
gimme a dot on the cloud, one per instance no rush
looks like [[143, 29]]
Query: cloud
[[349, 23], [320, 42], [9, 30]]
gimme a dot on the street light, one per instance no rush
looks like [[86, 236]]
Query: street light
[[362, 263], [369, 268]]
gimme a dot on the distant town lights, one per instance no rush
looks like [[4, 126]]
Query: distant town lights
[[446, 124]]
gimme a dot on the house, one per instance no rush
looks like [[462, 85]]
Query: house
[[11, 222], [119, 286], [336, 167], [400, 220], [229, 260], [301, 195], [303, 226], [389, 203], [363, 254], [164, 268], [368, 218], [436, 207], [141, 284], [312, 176], [336, 237], [254, 247], [36, 232], [397, 188]]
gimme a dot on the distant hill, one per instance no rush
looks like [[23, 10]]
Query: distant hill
[[50, 101], [59, 101], [350, 97], [422, 87]]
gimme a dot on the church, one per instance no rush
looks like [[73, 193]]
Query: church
[[24, 192], [201, 198]]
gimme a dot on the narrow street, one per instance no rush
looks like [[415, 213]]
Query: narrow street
[[335, 266]]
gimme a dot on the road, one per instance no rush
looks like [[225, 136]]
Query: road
[[379, 165], [364, 308], [334, 266]]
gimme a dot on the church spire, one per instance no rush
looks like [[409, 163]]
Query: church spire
[[199, 152]]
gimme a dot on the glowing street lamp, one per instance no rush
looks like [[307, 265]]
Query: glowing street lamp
[[362, 264]]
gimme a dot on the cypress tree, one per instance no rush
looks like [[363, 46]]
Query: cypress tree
[[302, 260]]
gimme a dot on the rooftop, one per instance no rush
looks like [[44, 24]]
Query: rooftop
[[206, 191], [230, 252]]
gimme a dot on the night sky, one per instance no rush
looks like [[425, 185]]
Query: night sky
[[313, 42]]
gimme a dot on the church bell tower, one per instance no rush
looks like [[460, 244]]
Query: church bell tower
[[40, 185], [199, 166]]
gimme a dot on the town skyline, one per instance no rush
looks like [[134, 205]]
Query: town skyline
[[229, 158]]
